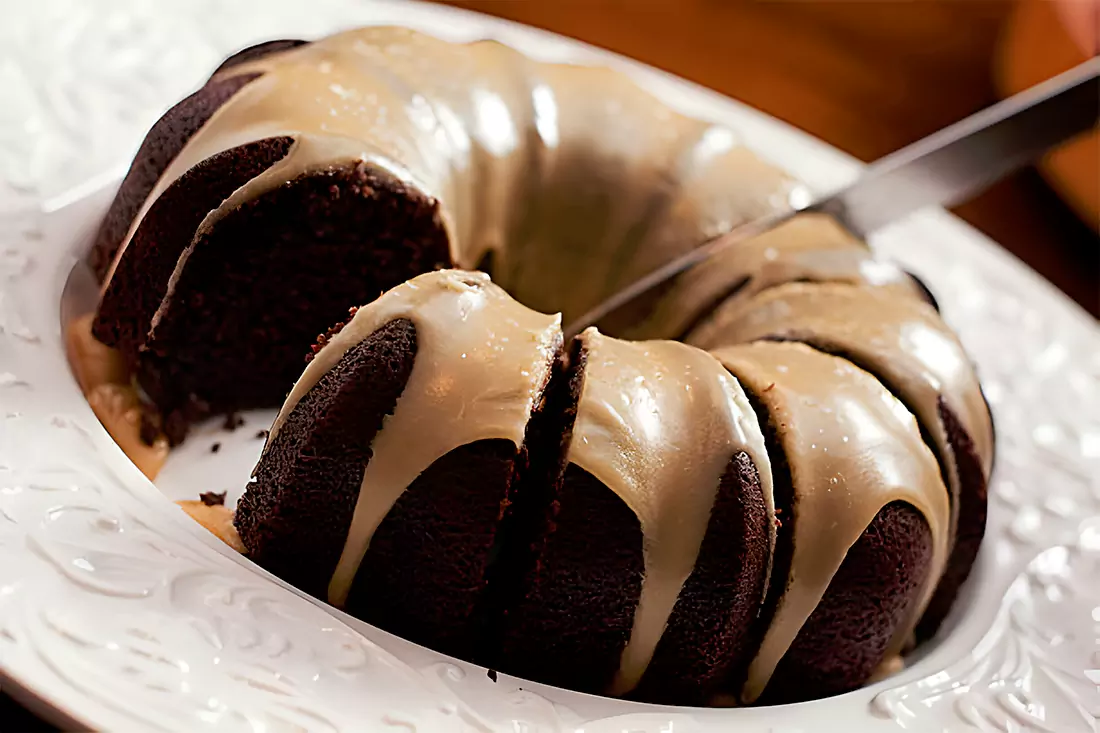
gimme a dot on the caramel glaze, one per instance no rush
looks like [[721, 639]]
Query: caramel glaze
[[553, 169], [482, 361], [852, 448], [902, 341], [657, 423], [809, 247], [102, 376]]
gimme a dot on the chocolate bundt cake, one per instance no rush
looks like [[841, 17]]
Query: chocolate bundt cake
[[775, 519], [379, 154], [636, 533]]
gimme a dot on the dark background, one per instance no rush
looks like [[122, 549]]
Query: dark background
[[868, 77]]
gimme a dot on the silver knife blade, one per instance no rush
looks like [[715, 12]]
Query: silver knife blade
[[945, 168]]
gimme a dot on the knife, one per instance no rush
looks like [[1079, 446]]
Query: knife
[[945, 168]]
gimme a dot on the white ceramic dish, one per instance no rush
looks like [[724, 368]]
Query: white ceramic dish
[[117, 612]]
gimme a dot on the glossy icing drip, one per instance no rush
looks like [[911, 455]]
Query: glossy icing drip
[[657, 423], [482, 360], [809, 247], [902, 340], [556, 169], [852, 449]]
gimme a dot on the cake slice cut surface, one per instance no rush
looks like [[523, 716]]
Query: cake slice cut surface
[[465, 367]]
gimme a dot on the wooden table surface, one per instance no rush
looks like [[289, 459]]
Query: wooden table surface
[[868, 77]]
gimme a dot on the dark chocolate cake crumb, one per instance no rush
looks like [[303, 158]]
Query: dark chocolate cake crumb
[[232, 422], [492, 674], [261, 435], [213, 498], [215, 447], [324, 338]]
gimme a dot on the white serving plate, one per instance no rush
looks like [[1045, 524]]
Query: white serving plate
[[117, 612]]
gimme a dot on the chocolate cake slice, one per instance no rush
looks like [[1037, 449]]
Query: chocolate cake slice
[[386, 474], [868, 600], [424, 577], [865, 519], [297, 510], [162, 143], [653, 563], [250, 293], [711, 634], [218, 256], [139, 280], [905, 344], [165, 139]]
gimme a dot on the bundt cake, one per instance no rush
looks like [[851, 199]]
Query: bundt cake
[[762, 483]]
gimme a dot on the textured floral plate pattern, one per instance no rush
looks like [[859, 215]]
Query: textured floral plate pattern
[[117, 612]]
